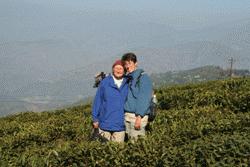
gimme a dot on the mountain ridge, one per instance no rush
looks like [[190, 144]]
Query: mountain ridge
[[31, 68], [69, 91]]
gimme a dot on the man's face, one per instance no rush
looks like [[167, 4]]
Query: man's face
[[130, 66], [118, 71]]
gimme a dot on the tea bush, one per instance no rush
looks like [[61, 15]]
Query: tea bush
[[233, 94], [198, 125]]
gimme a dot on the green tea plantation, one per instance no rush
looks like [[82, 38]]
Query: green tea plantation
[[206, 124]]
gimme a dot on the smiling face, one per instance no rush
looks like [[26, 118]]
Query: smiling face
[[130, 66], [118, 71]]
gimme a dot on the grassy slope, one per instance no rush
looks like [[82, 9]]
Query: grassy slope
[[203, 124]]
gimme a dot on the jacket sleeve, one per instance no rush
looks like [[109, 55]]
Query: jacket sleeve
[[144, 95], [96, 107]]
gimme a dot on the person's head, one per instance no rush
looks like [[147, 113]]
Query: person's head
[[118, 69], [130, 62]]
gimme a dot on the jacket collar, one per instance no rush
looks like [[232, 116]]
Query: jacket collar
[[136, 73]]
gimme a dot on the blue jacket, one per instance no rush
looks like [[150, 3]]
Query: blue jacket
[[108, 105], [140, 93]]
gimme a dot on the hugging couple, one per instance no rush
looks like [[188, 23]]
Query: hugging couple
[[122, 101]]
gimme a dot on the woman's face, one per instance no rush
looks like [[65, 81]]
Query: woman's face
[[130, 66], [118, 71]]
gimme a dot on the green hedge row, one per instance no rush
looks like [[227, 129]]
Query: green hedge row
[[183, 135], [231, 94]]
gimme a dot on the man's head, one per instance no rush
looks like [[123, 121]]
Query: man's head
[[130, 62], [118, 69]]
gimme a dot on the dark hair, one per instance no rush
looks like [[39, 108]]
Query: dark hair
[[129, 57]]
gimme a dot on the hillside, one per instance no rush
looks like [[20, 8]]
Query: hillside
[[200, 74], [205, 124]]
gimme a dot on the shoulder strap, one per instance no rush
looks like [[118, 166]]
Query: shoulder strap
[[138, 79]]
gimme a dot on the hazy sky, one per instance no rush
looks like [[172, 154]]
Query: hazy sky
[[42, 19], [93, 27]]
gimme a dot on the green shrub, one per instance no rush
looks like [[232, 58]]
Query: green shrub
[[198, 125]]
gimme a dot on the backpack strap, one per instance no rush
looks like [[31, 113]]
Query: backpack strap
[[138, 79]]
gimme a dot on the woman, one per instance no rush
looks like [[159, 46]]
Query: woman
[[108, 106]]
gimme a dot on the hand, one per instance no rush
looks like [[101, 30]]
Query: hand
[[138, 123], [96, 125]]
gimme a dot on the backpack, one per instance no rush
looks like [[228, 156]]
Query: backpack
[[153, 103], [96, 136], [98, 78]]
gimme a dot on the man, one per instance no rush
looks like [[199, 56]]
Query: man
[[139, 96], [108, 106]]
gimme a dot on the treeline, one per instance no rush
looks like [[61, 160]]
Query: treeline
[[200, 74]]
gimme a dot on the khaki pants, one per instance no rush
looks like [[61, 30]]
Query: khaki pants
[[130, 126], [113, 136]]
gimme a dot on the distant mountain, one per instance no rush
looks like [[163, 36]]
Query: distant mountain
[[185, 56], [29, 62], [200, 74], [52, 73], [209, 46], [10, 107], [69, 90]]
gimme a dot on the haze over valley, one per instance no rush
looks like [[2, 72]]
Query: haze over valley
[[50, 51]]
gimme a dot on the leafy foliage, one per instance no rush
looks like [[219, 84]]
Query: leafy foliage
[[198, 125], [224, 94]]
